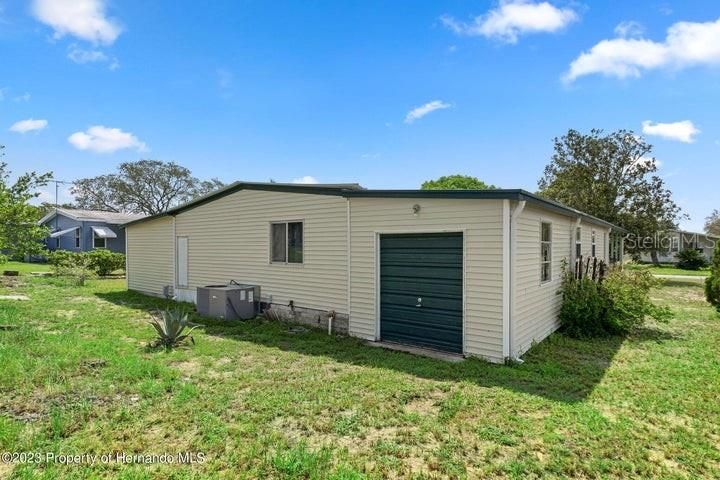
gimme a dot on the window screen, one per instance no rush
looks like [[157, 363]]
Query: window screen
[[295, 242], [546, 252], [279, 239], [578, 242]]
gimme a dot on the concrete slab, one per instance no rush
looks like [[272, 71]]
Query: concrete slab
[[14, 297], [423, 352]]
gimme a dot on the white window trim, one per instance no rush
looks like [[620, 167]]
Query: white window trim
[[77, 237], [593, 244], [550, 260], [287, 247], [578, 241]]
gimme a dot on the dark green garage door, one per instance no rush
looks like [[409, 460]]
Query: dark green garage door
[[421, 286]]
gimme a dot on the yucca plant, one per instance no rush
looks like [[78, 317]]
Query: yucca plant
[[170, 325]]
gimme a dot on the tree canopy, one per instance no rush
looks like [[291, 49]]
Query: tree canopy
[[19, 232], [612, 176], [456, 182], [145, 186], [712, 223]]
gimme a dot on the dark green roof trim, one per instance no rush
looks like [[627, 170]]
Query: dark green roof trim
[[354, 190], [314, 189], [495, 194]]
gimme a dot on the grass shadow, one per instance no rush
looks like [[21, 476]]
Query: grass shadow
[[560, 368]]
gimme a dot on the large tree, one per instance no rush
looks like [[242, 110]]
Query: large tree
[[145, 186], [612, 176], [456, 182], [19, 232], [712, 223]]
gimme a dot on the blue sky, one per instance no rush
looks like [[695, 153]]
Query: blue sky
[[387, 94]]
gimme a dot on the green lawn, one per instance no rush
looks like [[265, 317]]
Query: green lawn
[[25, 268], [260, 400], [669, 270]]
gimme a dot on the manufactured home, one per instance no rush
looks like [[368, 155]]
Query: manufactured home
[[78, 230], [470, 272]]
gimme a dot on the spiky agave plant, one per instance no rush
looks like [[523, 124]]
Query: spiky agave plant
[[170, 325]]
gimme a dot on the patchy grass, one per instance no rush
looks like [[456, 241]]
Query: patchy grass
[[25, 268], [666, 269], [261, 401]]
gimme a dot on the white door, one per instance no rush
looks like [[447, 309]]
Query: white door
[[182, 262]]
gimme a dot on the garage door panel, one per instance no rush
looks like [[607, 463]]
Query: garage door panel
[[426, 266]]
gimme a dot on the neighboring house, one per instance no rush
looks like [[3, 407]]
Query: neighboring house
[[84, 230], [676, 241], [471, 272]]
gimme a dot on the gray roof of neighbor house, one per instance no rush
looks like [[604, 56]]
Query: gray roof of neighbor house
[[356, 190], [112, 218]]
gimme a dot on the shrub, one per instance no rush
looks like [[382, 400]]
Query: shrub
[[104, 262], [71, 264], [628, 299], [169, 325], [617, 305], [3, 259], [583, 307], [712, 283], [691, 259]]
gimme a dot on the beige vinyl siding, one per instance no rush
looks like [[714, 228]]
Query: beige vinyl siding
[[481, 223], [536, 304], [229, 239], [149, 248]]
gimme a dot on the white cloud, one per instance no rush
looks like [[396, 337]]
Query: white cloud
[[25, 97], [422, 110], [648, 161], [101, 139], [513, 18], [683, 131], [79, 55], [687, 44], [84, 19], [629, 29], [306, 179], [29, 125]]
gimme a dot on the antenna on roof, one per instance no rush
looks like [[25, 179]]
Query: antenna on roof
[[57, 182]]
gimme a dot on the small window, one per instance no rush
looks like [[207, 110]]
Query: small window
[[286, 242], [675, 244], [578, 242], [77, 238], [545, 252], [98, 242], [592, 243], [57, 242]]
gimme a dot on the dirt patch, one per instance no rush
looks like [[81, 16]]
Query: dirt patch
[[189, 368], [425, 406], [6, 469], [67, 314]]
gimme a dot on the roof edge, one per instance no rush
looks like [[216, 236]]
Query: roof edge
[[354, 190]]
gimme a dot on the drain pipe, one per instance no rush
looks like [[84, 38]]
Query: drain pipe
[[331, 317], [514, 215]]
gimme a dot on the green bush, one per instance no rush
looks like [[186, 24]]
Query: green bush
[[617, 305], [104, 262], [583, 308], [712, 283], [3, 258], [628, 299], [71, 264], [691, 259]]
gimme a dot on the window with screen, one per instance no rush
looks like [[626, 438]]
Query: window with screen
[[545, 252], [592, 243], [77, 238], [286, 240], [578, 242], [98, 242]]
